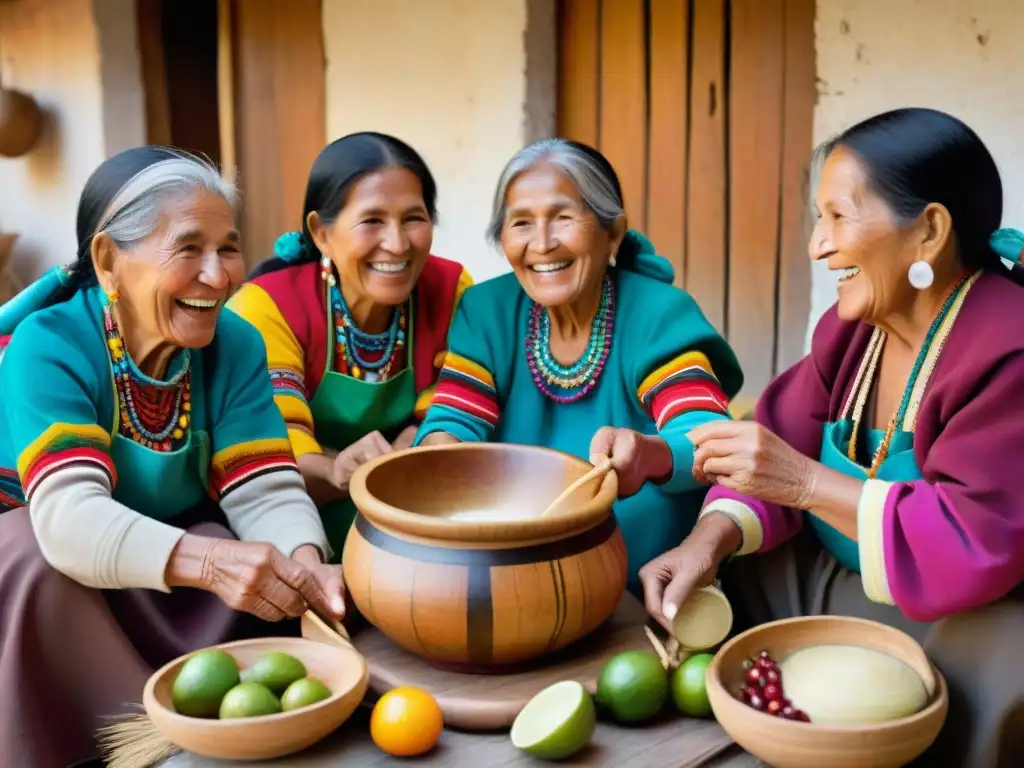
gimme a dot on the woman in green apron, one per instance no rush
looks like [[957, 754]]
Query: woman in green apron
[[355, 311], [148, 492], [897, 439]]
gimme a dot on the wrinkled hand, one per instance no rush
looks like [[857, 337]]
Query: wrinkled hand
[[361, 451], [329, 577], [636, 458], [669, 578], [404, 440], [745, 457], [254, 577]]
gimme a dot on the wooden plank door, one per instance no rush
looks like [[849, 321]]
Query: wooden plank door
[[705, 109], [280, 113]]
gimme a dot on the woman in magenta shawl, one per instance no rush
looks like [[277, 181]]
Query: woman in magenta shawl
[[881, 475]]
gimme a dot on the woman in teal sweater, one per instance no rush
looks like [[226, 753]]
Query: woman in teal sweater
[[586, 347]]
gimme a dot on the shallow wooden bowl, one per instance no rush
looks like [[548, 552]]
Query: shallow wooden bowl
[[786, 744], [341, 669], [488, 594]]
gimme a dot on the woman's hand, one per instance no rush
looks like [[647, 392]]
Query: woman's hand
[[364, 449], [404, 440], [745, 457], [329, 577], [249, 576], [669, 579], [636, 458]]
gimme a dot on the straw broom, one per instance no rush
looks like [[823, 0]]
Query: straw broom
[[132, 741]]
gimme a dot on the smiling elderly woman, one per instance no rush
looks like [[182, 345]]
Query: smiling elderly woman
[[129, 399], [900, 433], [587, 347]]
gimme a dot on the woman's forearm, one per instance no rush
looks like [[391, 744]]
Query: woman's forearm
[[316, 469], [834, 497], [439, 438]]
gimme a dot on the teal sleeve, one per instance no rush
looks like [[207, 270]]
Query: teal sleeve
[[684, 373], [249, 435], [465, 401], [54, 411]]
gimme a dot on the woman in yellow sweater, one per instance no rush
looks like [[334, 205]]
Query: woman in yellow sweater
[[355, 312]]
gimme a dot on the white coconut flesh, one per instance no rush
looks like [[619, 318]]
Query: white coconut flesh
[[850, 685], [703, 621]]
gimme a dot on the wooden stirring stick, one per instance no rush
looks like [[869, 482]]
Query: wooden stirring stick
[[600, 469], [333, 629]]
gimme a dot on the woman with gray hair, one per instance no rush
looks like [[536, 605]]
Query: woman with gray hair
[[586, 347], [148, 491]]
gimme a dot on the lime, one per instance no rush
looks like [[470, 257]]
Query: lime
[[276, 671], [249, 700], [202, 682], [704, 620], [689, 687], [304, 692], [633, 686], [557, 722]]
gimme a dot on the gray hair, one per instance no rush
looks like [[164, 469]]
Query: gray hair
[[134, 213], [596, 184]]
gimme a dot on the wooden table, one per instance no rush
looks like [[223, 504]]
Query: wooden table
[[671, 743]]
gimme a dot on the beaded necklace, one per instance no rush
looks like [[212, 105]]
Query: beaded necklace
[[866, 376], [155, 414], [581, 377], [352, 344]]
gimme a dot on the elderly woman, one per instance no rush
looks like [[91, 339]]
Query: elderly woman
[[355, 314], [138, 438], [897, 440], [586, 347]]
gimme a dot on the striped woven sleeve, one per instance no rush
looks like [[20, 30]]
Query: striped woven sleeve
[[465, 401], [285, 361], [51, 405], [678, 380], [249, 436]]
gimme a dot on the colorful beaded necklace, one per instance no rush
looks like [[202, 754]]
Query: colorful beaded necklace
[[581, 377], [366, 355], [155, 414], [868, 370]]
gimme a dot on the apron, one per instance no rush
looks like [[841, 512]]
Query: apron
[[899, 466], [164, 485], [346, 409]]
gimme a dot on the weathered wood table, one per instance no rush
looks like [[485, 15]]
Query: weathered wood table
[[672, 741]]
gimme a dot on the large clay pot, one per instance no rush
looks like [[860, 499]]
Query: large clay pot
[[485, 594], [21, 122]]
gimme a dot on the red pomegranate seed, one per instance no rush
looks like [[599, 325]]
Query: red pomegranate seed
[[773, 708], [765, 664], [757, 702], [788, 712], [754, 675], [773, 692], [801, 716], [772, 676]]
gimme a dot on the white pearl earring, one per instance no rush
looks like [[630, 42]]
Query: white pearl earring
[[325, 270], [611, 261], [921, 275]]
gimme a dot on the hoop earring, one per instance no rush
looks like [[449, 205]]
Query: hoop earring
[[325, 270], [921, 275]]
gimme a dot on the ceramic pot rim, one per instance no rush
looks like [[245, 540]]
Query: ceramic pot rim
[[512, 532]]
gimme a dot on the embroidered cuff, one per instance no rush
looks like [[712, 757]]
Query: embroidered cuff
[[745, 517], [871, 542]]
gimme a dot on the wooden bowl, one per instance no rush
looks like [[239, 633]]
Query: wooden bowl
[[787, 744], [341, 669], [21, 122], [486, 594]]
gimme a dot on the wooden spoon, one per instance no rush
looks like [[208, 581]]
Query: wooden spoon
[[602, 468], [315, 627]]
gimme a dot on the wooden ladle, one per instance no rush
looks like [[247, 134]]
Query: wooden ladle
[[601, 468]]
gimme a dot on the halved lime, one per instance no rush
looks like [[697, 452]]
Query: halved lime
[[557, 722], [703, 621]]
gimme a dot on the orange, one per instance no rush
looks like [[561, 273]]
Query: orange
[[406, 722]]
